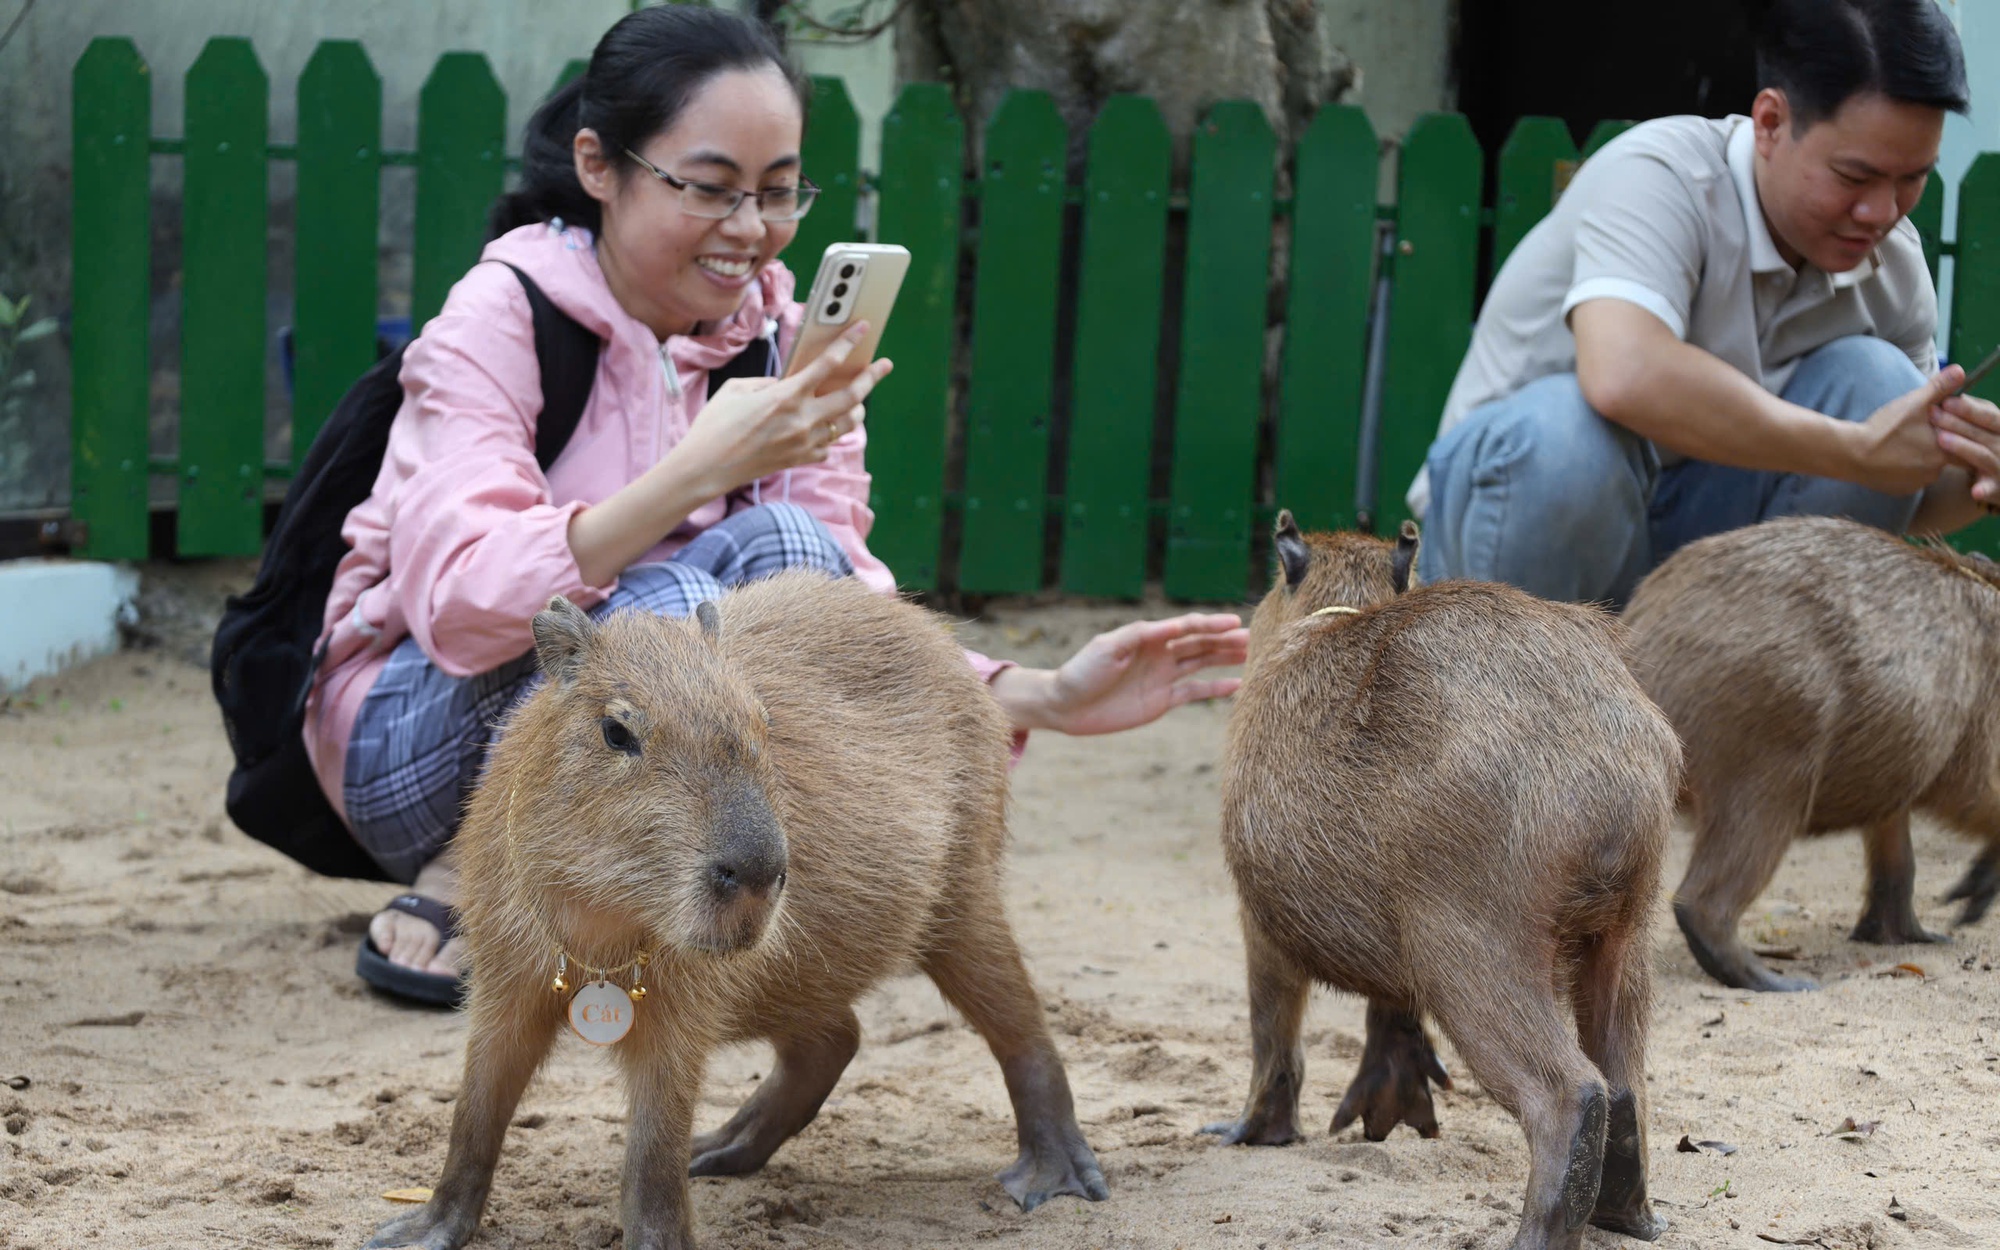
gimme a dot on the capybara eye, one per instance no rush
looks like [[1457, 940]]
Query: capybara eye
[[617, 737]]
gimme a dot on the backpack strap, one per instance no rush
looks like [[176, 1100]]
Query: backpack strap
[[567, 351]]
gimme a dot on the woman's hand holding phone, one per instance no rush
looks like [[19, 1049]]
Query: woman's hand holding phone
[[754, 427]]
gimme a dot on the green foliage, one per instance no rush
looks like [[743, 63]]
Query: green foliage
[[16, 384]]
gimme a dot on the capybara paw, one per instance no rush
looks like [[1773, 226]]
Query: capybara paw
[[1893, 931], [1256, 1129], [1977, 887], [1394, 1087], [1058, 1167], [421, 1229], [1642, 1222], [1730, 962]]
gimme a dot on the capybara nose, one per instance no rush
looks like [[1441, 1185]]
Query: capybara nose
[[733, 875]]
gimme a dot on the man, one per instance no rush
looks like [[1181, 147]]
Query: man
[[1722, 322]]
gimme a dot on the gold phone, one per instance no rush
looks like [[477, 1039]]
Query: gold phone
[[856, 281]]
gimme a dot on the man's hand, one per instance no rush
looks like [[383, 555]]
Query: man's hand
[[1897, 451], [1968, 431]]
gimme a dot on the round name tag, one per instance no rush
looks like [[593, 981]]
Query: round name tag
[[601, 1013]]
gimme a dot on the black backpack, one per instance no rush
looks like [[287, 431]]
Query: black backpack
[[264, 660]]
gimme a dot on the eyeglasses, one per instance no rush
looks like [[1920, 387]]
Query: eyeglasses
[[705, 199]]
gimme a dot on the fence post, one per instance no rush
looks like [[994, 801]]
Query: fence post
[[832, 159], [224, 285], [111, 122], [1120, 278], [1430, 321], [1326, 317], [923, 149], [461, 162], [1527, 180], [1218, 405], [1975, 303], [1603, 133], [340, 193], [1013, 346]]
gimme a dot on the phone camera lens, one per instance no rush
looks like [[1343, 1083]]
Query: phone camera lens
[[833, 309], [839, 289], [847, 271]]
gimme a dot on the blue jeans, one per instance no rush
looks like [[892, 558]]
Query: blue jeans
[[1539, 491], [419, 741]]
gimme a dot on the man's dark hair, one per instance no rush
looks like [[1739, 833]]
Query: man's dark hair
[[1822, 53]]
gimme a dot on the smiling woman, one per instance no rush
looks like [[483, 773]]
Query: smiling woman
[[658, 189]]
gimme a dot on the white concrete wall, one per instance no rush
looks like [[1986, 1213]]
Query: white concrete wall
[[54, 613], [1404, 50], [1966, 137]]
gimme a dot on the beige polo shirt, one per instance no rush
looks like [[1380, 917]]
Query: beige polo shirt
[[1666, 216]]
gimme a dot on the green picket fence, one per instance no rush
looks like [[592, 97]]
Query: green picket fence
[[1219, 490]]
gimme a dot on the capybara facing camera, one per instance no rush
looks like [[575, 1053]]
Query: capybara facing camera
[[1452, 800], [779, 805], [1823, 675]]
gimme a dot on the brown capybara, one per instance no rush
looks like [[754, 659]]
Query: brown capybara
[[1453, 802], [779, 805], [1823, 675]]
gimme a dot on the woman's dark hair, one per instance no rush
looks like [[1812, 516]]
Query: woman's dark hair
[[1821, 53], [642, 74]]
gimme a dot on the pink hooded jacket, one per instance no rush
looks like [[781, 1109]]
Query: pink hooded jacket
[[464, 539]]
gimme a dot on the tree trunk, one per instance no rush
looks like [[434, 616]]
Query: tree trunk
[[1185, 54]]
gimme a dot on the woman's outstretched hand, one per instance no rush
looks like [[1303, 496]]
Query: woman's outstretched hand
[[1127, 677]]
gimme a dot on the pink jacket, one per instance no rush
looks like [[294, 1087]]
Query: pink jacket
[[464, 539]]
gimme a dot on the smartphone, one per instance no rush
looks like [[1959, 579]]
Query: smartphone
[[856, 282]]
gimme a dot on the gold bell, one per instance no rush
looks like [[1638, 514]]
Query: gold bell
[[638, 993], [558, 985]]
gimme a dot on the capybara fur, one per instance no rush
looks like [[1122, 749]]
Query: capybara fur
[[782, 803], [1452, 800], [1823, 676]]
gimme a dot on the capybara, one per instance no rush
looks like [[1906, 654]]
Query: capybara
[[775, 806], [1823, 675], [1453, 802]]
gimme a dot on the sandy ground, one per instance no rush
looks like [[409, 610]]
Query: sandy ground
[[202, 1068]]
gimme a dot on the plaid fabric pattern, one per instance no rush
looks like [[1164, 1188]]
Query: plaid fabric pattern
[[421, 736]]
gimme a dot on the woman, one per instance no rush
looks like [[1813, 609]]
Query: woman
[[657, 191]]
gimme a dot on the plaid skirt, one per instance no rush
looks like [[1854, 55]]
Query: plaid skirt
[[420, 737]]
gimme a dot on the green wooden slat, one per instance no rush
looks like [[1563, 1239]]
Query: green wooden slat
[[1975, 301], [223, 289], [461, 138], [1928, 218], [1527, 180], [1326, 317], [340, 185], [1430, 317], [832, 159], [1013, 346], [1603, 133], [923, 143], [1118, 305], [111, 121], [1218, 402]]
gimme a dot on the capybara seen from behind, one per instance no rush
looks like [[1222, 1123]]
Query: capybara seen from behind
[[1452, 801], [754, 816], [1823, 675]]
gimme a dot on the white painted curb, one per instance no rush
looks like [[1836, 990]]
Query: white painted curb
[[55, 613]]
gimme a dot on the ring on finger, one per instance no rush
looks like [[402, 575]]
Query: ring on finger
[[832, 432]]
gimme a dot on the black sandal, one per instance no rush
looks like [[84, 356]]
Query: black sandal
[[434, 988]]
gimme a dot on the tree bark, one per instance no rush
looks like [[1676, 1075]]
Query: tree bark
[[1185, 54]]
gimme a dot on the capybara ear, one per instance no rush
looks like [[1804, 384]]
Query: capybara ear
[[562, 632], [1405, 558], [1291, 546], [711, 621]]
